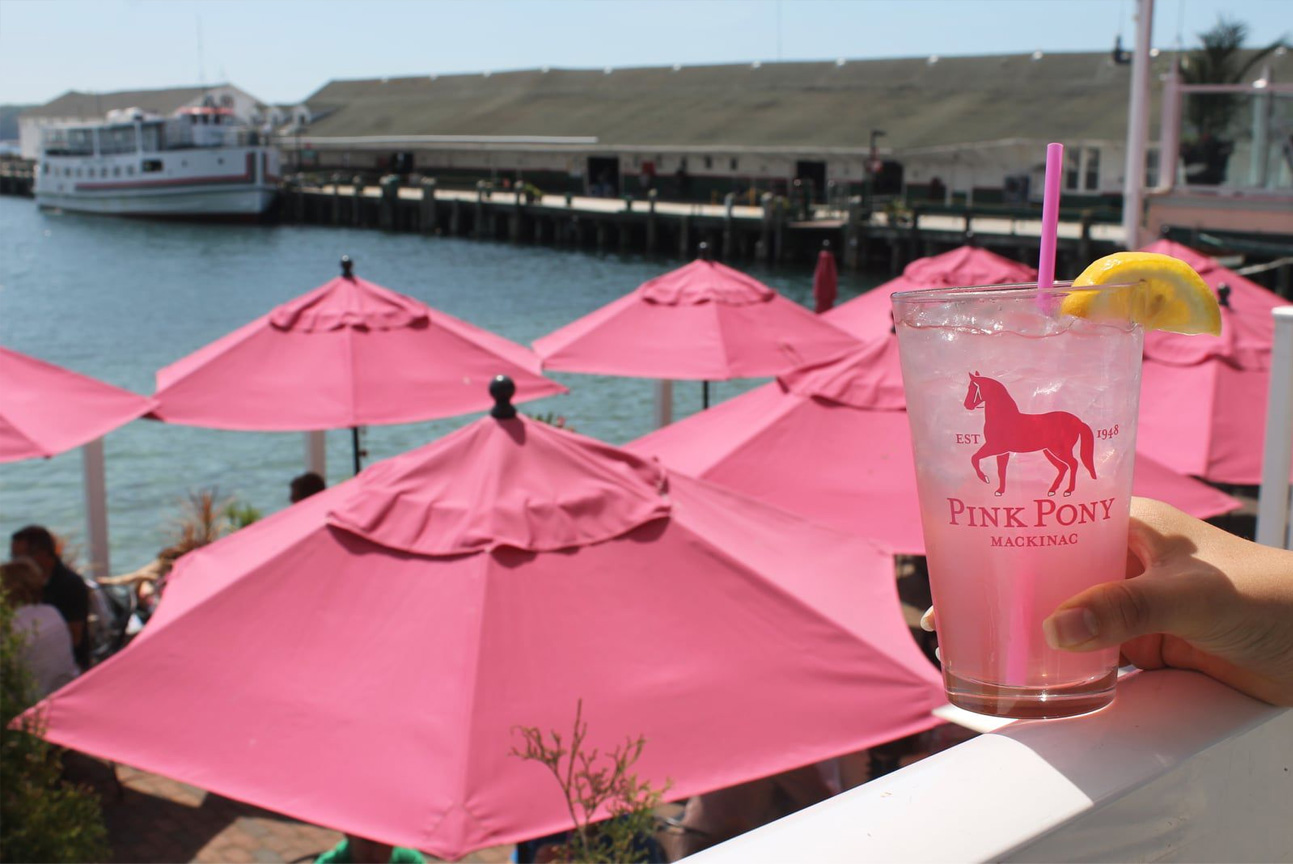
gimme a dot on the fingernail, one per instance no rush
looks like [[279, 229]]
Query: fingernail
[[1070, 628], [927, 620]]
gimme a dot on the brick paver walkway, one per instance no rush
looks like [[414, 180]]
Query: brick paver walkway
[[153, 819]]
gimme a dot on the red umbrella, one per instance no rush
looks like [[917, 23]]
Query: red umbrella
[[360, 660], [825, 281], [831, 442], [1203, 398], [46, 410], [704, 322], [347, 354], [868, 317]]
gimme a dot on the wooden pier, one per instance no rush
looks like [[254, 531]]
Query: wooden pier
[[775, 231], [17, 177]]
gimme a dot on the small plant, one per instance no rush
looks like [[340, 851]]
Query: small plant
[[597, 786], [42, 817], [240, 514], [552, 419]]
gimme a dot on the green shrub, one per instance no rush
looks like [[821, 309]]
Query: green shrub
[[42, 817]]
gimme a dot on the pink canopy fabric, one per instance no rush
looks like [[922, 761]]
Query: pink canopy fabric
[[349, 353], [46, 409], [1203, 398], [831, 443], [703, 322], [360, 660], [868, 317]]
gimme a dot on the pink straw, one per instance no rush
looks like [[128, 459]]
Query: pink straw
[[1050, 215]]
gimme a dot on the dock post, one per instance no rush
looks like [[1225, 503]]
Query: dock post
[[538, 230], [357, 200], [763, 249], [428, 215], [601, 235], [779, 231], [625, 229], [479, 227], [455, 217], [652, 195], [1084, 241], [336, 199], [390, 186], [684, 236], [729, 201], [852, 239]]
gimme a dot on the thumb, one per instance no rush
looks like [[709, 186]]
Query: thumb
[[1113, 613]]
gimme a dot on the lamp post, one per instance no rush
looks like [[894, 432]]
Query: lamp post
[[872, 165]]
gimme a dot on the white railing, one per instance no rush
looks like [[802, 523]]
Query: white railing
[[1179, 768]]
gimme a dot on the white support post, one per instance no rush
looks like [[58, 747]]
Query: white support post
[[1273, 527], [1169, 128], [96, 508], [316, 453], [663, 403], [1133, 184]]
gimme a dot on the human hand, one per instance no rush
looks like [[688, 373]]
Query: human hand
[[1195, 597]]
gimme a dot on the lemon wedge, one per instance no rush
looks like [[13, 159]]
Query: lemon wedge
[[1169, 294]]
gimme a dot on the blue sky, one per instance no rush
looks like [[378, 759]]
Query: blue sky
[[283, 50]]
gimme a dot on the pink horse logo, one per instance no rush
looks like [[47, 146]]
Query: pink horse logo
[[1007, 430]]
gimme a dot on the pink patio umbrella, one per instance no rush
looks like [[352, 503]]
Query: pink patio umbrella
[[831, 442], [868, 317], [1203, 398], [361, 659], [46, 409], [347, 354], [701, 322]]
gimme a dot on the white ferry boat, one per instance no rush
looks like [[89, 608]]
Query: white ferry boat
[[200, 163]]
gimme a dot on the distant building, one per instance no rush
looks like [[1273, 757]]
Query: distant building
[[75, 107], [963, 128]]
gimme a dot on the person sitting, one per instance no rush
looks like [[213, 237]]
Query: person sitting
[[64, 589], [360, 850], [47, 652], [305, 485]]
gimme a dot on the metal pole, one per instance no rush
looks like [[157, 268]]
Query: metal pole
[[1133, 184], [704, 395], [96, 507], [1277, 455], [354, 441], [663, 403]]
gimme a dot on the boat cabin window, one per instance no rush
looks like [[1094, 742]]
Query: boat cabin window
[[69, 142], [117, 139], [150, 137], [149, 166]]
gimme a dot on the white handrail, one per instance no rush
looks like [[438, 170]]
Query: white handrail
[[1179, 768], [1273, 528]]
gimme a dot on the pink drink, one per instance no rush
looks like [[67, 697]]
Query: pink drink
[[1024, 430]]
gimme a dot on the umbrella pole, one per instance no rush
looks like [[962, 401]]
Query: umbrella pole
[[316, 452], [704, 395], [96, 507], [663, 403], [354, 441]]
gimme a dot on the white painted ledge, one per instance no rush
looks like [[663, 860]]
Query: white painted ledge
[[1180, 768]]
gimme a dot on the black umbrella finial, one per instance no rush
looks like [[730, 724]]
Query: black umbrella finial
[[502, 389], [702, 251], [1223, 295], [347, 266]]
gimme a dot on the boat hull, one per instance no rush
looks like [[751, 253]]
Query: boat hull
[[176, 201]]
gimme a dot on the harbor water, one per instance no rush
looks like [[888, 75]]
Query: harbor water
[[118, 299]]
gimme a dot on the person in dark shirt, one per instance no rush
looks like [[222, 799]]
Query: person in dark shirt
[[64, 589], [305, 485]]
